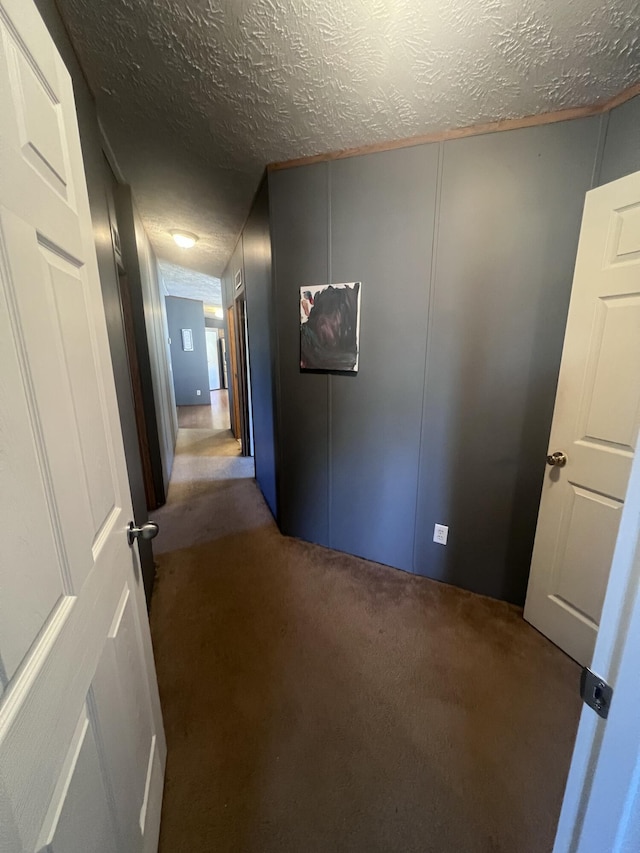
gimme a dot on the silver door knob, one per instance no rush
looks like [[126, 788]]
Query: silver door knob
[[147, 531], [557, 459]]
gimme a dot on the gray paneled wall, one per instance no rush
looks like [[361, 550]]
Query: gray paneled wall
[[369, 463], [299, 201], [622, 147], [190, 370], [136, 271], [256, 246], [382, 216], [508, 225]]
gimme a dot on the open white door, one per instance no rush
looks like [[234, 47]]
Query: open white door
[[595, 425], [601, 808], [82, 749]]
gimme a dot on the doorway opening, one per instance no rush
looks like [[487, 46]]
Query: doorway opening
[[240, 386]]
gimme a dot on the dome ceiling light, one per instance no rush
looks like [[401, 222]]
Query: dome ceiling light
[[184, 239]]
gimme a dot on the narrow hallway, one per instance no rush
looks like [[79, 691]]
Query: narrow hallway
[[317, 702]]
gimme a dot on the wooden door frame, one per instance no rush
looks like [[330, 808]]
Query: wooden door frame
[[233, 370], [243, 371]]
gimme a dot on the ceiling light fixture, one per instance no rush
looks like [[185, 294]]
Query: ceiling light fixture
[[184, 239]]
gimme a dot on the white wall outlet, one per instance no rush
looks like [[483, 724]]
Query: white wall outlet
[[440, 534], [198, 392]]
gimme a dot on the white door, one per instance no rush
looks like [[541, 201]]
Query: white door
[[213, 359], [601, 808], [595, 424], [81, 743]]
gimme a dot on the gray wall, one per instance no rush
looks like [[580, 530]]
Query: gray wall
[[157, 341], [135, 264], [256, 246], [508, 226], [99, 184], [466, 252], [622, 147], [213, 323], [190, 370], [382, 208], [299, 203], [252, 258]]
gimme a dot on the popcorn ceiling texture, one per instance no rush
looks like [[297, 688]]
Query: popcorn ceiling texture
[[189, 284], [196, 96]]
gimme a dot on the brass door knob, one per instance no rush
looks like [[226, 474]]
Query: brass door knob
[[557, 459]]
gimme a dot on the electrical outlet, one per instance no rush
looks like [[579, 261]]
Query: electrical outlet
[[198, 392], [440, 534]]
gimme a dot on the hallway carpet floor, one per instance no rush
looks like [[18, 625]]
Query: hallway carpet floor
[[319, 703]]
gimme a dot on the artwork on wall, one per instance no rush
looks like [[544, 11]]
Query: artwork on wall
[[330, 327]]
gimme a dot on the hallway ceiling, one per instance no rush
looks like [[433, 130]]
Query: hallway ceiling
[[197, 96], [189, 284]]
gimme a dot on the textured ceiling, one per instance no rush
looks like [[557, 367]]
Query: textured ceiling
[[196, 96], [189, 284]]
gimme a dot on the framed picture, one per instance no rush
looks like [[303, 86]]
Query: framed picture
[[330, 327], [187, 340]]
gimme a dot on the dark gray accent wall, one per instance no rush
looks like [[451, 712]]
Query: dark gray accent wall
[[381, 222], [256, 247], [190, 371], [508, 224], [134, 266], [299, 203], [448, 418], [102, 211], [622, 147]]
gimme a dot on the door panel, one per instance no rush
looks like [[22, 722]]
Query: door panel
[[38, 117], [614, 399], [121, 695], [80, 364], [580, 583], [80, 800], [36, 329], [37, 550], [595, 423], [81, 744]]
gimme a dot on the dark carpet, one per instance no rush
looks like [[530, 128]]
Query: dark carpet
[[319, 703]]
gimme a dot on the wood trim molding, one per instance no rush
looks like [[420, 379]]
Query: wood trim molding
[[621, 97], [460, 132]]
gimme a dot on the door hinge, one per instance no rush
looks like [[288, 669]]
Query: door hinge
[[595, 692]]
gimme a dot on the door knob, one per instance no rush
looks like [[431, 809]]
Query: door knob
[[147, 531], [557, 459]]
